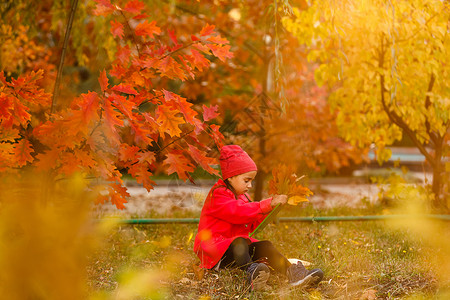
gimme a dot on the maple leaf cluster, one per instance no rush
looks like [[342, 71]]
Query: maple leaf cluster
[[285, 182], [130, 124]]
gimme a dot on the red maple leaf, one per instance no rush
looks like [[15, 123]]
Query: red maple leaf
[[134, 6], [210, 112], [123, 53], [117, 29], [104, 7], [216, 135], [172, 36]]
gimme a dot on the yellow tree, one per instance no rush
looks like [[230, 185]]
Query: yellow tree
[[387, 65]]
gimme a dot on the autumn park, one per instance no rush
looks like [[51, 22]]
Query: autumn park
[[143, 143]]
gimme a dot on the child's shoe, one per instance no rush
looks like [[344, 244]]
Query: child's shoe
[[258, 273], [298, 275]]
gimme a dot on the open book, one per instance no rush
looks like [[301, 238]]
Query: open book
[[270, 217]]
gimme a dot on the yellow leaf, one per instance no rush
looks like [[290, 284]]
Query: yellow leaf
[[294, 200]]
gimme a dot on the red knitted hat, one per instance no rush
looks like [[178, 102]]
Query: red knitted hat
[[235, 161]]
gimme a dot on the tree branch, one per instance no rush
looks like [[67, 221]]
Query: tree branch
[[63, 55], [181, 137], [433, 136], [224, 32], [394, 117]]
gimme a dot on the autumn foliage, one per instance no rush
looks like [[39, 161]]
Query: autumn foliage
[[286, 182], [86, 137]]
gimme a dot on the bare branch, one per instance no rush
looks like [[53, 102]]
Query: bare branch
[[63, 55]]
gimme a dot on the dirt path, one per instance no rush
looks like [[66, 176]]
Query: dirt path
[[167, 199]]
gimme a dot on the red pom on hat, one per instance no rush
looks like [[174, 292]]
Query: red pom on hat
[[235, 161]]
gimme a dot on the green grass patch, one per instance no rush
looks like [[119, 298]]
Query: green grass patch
[[359, 259]]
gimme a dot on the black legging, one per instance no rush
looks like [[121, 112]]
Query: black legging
[[241, 254]]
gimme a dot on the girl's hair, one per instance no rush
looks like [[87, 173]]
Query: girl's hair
[[229, 186]]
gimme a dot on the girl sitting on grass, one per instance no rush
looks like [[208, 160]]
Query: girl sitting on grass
[[227, 218]]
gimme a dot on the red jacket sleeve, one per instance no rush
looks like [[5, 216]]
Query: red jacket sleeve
[[236, 211]]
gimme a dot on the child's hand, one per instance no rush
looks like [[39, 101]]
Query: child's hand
[[278, 199]]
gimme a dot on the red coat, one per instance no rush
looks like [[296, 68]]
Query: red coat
[[223, 219]]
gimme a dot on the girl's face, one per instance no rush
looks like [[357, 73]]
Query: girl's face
[[242, 183]]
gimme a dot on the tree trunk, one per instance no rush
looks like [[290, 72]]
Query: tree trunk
[[439, 202], [261, 176]]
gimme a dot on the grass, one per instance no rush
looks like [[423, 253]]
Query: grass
[[361, 260]]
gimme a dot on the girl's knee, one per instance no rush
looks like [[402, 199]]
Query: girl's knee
[[266, 244], [239, 240]]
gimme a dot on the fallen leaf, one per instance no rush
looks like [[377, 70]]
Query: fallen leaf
[[199, 272]]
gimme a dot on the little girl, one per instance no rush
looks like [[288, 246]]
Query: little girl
[[227, 218]]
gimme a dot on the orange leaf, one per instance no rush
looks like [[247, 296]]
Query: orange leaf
[[89, 106], [180, 103], [134, 6], [170, 68], [20, 112], [218, 40], [48, 160], [124, 88], [172, 36], [123, 105], [111, 119], [222, 52], [216, 135], [22, 151], [9, 135], [147, 156], [118, 201], [178, 163], [123, 53], [103, 80], [168, 120], [104, 7], [199, 61], [142, 175], [148, 29], [207, 30], [128, 153], [85, 158], [117, 29], [70, 164], [204, 161]]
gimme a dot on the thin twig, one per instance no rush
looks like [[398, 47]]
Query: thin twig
[[176, 140], [63, 54]]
